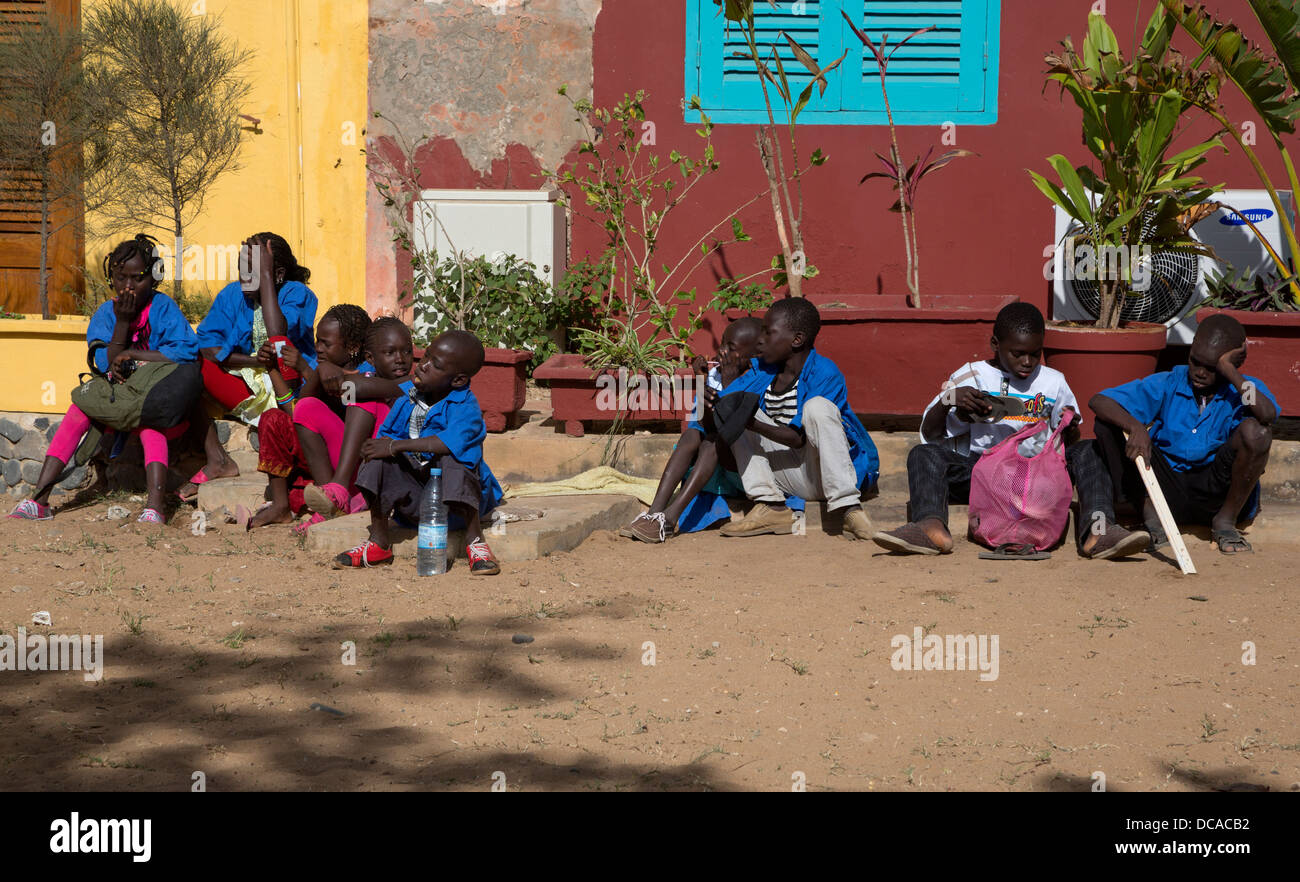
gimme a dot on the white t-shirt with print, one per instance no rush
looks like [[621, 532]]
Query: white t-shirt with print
[[1045, 393]]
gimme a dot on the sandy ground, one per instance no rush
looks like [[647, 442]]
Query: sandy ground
[[771, 668]]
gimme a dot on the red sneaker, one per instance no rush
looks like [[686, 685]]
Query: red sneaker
[[481, 561], [367, 554]]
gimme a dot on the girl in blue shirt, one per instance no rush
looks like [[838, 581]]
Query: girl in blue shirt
[[270, 300], [139, 324]]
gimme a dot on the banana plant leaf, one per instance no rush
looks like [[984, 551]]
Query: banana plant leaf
[[1263, 81]]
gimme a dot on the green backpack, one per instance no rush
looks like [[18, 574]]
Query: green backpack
[[157, 394]]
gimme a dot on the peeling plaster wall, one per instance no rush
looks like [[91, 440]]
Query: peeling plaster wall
[[479, 77]]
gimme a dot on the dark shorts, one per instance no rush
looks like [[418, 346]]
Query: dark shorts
[[1196, 495], [397, 485]]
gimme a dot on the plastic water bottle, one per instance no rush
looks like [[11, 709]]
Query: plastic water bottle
[[431, 549]]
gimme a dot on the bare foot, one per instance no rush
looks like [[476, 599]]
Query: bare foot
[[271, 514], [189, 491], [938, 533]]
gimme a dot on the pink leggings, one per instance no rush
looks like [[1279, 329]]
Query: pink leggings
[[315, 416], [75, 424]]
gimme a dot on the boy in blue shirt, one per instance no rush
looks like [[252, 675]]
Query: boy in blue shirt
[[1203, 429], [435, 423], [804, 442]]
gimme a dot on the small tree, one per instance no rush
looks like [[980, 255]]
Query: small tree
[[44, 128], [165, 87]]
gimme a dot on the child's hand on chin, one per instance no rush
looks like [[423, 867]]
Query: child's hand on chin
[[124, 305]]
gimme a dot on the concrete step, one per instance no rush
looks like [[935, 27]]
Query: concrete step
[[523, 457], [248, 490], [527, 456], [565, 522]]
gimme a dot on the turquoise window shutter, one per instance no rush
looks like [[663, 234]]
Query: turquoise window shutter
[[949, 74]]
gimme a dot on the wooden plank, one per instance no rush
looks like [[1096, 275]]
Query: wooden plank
[[1166, 517]]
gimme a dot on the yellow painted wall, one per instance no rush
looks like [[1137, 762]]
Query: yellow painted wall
[[317, 204], [302, 177]]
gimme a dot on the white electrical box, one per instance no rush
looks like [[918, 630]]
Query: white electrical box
[[529, 224]]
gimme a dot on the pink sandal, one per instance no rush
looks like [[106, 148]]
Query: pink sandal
[[301, 528], [200, 477], [31, 510], [326, 499]]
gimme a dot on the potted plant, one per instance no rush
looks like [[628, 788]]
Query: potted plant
[[1138, 199], [503, 301], [631, 318], [1267, 305], [508, 305]]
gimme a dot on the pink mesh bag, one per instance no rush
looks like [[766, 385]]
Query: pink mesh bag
[[1021, 500]]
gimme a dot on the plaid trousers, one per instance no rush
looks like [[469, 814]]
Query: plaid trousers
[[937, 475]]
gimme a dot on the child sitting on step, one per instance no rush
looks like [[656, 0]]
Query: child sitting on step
[[1203, 428], [340, 342], [960, 425], [139, 324], [437, 423], [803, 441], [699, 457]]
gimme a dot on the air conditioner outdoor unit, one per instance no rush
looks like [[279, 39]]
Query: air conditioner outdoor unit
[[1176, 281]]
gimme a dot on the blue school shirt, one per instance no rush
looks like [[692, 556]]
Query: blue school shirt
[[820, 378], [228, 326], [1188, 436], [708, 507], [169, 332], [457, 421]]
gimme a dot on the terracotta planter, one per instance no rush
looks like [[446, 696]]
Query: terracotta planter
[[894, 357], [500, 386], [1093, 359], [1272, 351], [580, 394]]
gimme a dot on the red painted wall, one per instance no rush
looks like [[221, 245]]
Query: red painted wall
[[982, 224]]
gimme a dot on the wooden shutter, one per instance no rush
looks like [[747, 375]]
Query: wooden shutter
[[728, 83], [939, 72], [20, 216]]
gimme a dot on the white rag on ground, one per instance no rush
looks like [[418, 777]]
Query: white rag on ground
[[597, 481]]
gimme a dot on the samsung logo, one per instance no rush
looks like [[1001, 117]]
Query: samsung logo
[[1256, 215]]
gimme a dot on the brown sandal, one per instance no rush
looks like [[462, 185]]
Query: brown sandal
[[1118, 542], [907, 539]]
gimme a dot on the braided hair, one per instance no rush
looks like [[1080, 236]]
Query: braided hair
[[382, 325], [354, 326], [142, 246], [282, 254]]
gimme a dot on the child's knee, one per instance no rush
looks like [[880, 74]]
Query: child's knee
[[820, 408], [1255, 437], [306, 411], [923, 455]]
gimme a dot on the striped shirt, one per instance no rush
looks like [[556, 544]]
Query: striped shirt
[[783, 406], [415, 426]]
